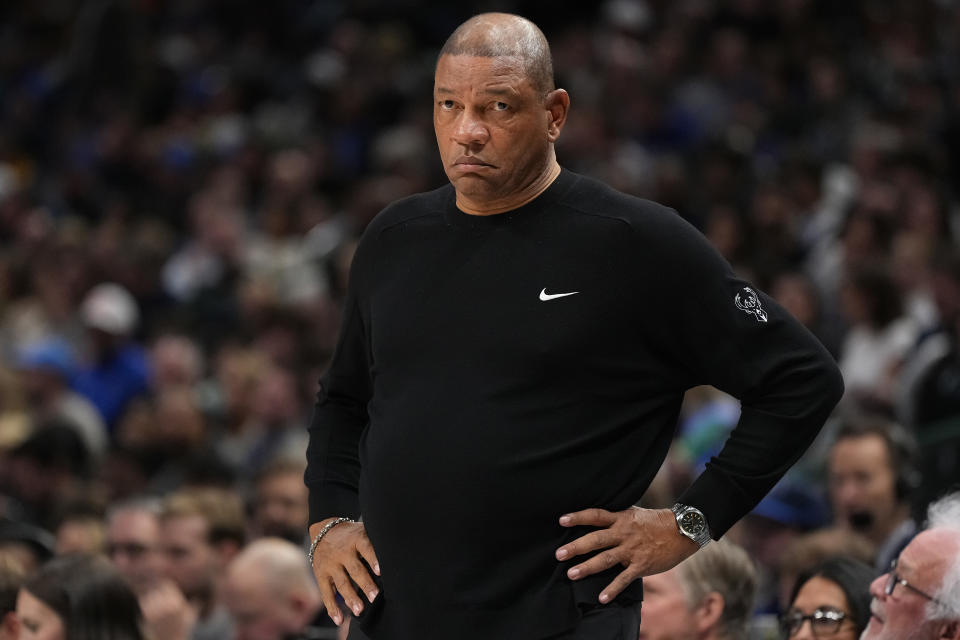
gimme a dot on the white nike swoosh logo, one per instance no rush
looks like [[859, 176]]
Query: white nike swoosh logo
[[544, 296]]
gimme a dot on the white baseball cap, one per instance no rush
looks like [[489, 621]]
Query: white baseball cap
[[110, 308]]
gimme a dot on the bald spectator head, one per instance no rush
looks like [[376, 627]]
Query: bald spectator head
[[270, 591], [708, 596], [919, 598]]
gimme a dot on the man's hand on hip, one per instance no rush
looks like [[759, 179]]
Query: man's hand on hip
[[644, 541], [337, 559]]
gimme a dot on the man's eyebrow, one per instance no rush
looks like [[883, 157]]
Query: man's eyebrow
[[491, 91]]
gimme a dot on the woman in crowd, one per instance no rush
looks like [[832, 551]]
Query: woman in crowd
[[78, 598], [830, 600]]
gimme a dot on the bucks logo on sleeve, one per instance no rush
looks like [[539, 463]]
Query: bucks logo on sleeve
[[748, 301]]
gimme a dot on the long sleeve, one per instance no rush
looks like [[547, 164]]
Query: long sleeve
[[729, 334], [340, 415]]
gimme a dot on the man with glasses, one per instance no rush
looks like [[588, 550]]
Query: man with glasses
[[919, 597]]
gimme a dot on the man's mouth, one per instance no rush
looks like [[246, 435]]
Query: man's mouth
[[471, 161]]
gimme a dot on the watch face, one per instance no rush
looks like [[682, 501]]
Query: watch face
[[693, 523]]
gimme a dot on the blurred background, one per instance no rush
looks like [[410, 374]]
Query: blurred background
[[182, 184]]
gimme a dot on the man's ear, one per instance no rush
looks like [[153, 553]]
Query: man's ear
[[708, 612], [557, 103]]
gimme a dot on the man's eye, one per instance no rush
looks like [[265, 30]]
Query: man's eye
[[446, 104], [500, 106]]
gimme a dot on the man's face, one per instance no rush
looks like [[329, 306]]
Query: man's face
[[191, 559], [902, 614], [665, 614], [491, 124], [863, 484], [257, 614], [281, 507], [133, 544]]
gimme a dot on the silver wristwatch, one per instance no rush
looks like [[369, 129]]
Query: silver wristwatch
[[692, 523]]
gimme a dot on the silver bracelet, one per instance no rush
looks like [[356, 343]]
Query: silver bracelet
[[326, 528]]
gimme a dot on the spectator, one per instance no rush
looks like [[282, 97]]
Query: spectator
[[829, 600], [46, 369], [918, 598], [871, 475], [930, 385], [47, 470], [708, 596], [816, 547], [81, 528], [272, 594], [24, 544], [878, 340], [78, 598], [118, 370], [133, 545], [280, 501], [11, 578], [133, 541], [201, 530]]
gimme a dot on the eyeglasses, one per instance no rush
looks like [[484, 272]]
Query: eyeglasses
[[825, 621], [893, 580]]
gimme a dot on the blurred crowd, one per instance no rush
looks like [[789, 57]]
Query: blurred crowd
[[182, 185]]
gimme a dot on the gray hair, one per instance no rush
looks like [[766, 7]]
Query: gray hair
[[945, 514], [724, 568], [504, 35]]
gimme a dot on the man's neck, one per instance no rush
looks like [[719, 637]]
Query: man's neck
[[512, 201]]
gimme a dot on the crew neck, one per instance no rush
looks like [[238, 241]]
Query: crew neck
[[455, 216]]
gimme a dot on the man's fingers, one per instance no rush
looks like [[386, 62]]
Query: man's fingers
[[619, 583], [342, 581], [358, 571], [329, 597], [594, 517], [590, 542], [596, 564], [365, 548]]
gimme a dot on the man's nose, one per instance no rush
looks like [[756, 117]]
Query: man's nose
[[470, 130], [877, 589]]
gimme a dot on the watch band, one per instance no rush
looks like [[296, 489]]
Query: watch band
[[692, 523]]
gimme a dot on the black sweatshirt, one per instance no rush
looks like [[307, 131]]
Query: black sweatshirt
[[496, 372]]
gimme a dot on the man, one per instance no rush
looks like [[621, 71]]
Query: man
[[919, 597], [45, 371], [280, 501], [272, 595], [133, 542], [708, 596], [201, 531], [870, 476], [514, 351], [119, 370], [133, 545]]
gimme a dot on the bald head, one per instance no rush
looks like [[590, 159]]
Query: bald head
[[504, 35], [276, 564], [270, 591]]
